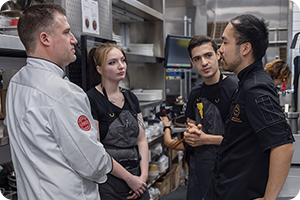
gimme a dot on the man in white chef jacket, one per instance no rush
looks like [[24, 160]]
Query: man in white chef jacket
[[53, 139]]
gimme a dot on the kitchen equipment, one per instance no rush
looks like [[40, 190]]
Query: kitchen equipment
[[287, 98], [153, 170], [292, 119], [141, 49], [148, 95], [13, 8], [12, 181]]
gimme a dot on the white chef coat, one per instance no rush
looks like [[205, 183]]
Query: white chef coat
[[53, 137]]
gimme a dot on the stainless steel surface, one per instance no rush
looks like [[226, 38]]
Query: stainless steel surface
[[11, 43], [145, 72], [225, 10], [139, 30], [296, 156], [149, 76], [209, 17], [142, 59], [287, 98], [291, 186], [9, 30], [13, 8], [292, 115], [141, 9], [11, 63], [178, 129], [277, 15], [5, 155], [74, 15], [292, 119]]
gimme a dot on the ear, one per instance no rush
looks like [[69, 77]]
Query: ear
[[99, 69], [246, 48], [218, 54], [44, 39]]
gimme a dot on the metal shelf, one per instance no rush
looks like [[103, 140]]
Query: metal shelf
[[147, 104], [153, 179], [155, 140], [139, 9], [11, 42], [135, 58]]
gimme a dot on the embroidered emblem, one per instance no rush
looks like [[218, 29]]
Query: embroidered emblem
[[236, 114], [200, 108], [84, 123]]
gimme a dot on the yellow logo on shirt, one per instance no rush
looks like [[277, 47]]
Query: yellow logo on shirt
[[200, 108], [236, 114]]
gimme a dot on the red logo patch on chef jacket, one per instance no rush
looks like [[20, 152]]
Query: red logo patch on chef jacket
[[84, 123]]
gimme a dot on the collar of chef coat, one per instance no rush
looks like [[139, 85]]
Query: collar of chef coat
[[46, 64]]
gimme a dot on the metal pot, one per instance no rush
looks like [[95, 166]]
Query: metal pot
[[14, 8]]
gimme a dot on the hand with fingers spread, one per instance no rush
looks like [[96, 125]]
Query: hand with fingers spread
[[165, 121], [169, 142]]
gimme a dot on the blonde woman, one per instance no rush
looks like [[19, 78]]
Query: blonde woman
[[119, 122]]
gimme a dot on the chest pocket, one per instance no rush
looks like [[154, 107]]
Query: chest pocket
[[267, 110]]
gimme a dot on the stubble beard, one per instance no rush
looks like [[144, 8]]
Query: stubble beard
[[231, 67]]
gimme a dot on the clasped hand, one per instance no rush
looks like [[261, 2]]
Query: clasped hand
[[194, 135], [138, 187]]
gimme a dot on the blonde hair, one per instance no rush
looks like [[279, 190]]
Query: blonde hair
[[97, 57], [278, 69]]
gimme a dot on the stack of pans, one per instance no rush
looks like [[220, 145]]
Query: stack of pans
[[14, 8]]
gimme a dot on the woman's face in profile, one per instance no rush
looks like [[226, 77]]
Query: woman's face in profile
[[278, 81]]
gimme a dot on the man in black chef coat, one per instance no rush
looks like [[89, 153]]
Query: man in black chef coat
[[256, 151]]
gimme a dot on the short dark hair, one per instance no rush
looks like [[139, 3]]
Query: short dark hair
[[36, 19], [199, 40], [248, 28]]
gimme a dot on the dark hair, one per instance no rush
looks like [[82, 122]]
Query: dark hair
[[36, 19], [278, 69], [248, 28], [199, 40], [97, 57]]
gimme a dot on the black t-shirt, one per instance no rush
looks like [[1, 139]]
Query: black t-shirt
[[210, 92], [100, 110]]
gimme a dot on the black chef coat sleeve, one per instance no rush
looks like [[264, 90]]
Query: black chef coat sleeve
[[266, 117]]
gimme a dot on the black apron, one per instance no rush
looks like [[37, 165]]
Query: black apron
[[121, 144], [202, 161]]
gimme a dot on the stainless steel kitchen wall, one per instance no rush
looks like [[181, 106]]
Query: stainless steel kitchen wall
[[209, 17], [204, 12], [276, 12], [73, 9]]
